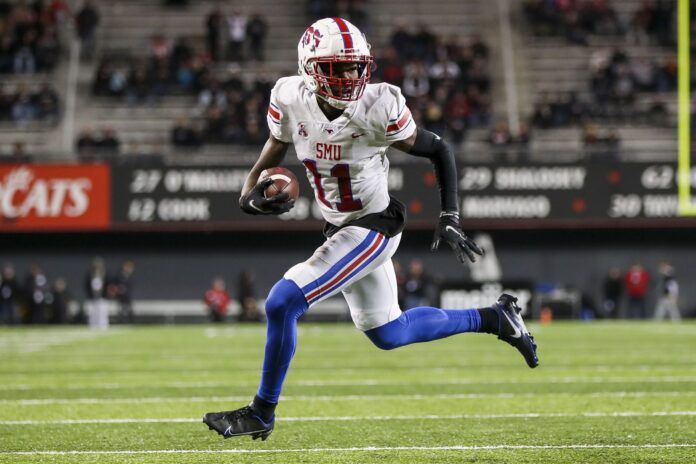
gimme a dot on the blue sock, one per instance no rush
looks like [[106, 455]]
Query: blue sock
[[284, 305], [424, 324]]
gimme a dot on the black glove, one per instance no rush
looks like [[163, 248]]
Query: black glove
[[448, 230], [255, 202]]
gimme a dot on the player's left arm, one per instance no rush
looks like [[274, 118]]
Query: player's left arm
[[425, 144]]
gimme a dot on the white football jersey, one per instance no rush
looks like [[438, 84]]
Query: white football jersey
[[345, 159]]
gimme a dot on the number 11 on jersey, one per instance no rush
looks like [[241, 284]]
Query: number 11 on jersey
[[342, 173]]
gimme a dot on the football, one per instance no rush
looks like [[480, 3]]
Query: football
[[284, 181]]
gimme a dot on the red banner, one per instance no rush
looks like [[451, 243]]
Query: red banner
[[54, 197]]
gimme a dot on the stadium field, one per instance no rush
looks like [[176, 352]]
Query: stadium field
[[604, 392]]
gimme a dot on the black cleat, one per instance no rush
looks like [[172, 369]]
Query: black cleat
[[513, 330], [244, 421]]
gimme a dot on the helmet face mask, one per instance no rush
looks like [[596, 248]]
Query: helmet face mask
[[335, 62], [331, 77]]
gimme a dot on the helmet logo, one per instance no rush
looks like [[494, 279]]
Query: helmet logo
[[310, 35]]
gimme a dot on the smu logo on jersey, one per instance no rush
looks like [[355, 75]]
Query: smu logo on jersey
[[328, 151], [309, 35]]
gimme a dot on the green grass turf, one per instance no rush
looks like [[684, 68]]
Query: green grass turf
[[603, 393]]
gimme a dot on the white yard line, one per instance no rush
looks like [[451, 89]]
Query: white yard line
[[353, 450], [532, 415], [358, 383], [32, 343], [414, 397]]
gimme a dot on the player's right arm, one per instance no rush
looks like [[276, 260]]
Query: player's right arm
[[402, 134], [252, 199]]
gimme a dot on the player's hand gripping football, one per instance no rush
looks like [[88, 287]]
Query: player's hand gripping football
[[449, 231], [255, 202]]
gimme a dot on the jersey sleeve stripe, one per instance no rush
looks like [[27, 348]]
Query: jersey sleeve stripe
[[345, 33], [401, 123], [404, 108], [274, 113], [394, 134]]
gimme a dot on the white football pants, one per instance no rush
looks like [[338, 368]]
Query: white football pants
[[357, 262]]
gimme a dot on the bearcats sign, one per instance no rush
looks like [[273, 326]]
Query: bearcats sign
[[55, 197]]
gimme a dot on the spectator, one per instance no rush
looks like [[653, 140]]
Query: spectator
[[256, 30], [217, 300], [25, 56], [37, 291], [47, 104], [139, 87], [574, 20], [213, 26], [668, 301], [601, 145], [9, 293], [47, 49], [416, 83], [236, 36], [612, 289], [95, 295], [59, 302], [521, 142], [28, 36], [160, 47], [6, 51], [19, 154], [500, 136], [121, 291], [424, 44], [416, 287], [391, 69], [108, 144], [642, 24], [184, 135], [86, 142], [636, 283], [87, 20], [247, 298], [24, 110], [401, 40]]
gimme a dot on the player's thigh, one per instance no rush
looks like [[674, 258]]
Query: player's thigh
[[373, 300], [347, 256]]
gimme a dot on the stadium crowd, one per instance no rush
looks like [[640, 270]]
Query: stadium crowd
[[445, 79], [170, 68], [246, 36], [577, 20], [24, 104], [37, 300], [97, 143], [29, 35], [621, 89]]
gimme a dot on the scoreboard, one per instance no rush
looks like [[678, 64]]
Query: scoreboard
[[161, 197]]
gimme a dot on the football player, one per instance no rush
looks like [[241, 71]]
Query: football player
[[341, 127]]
